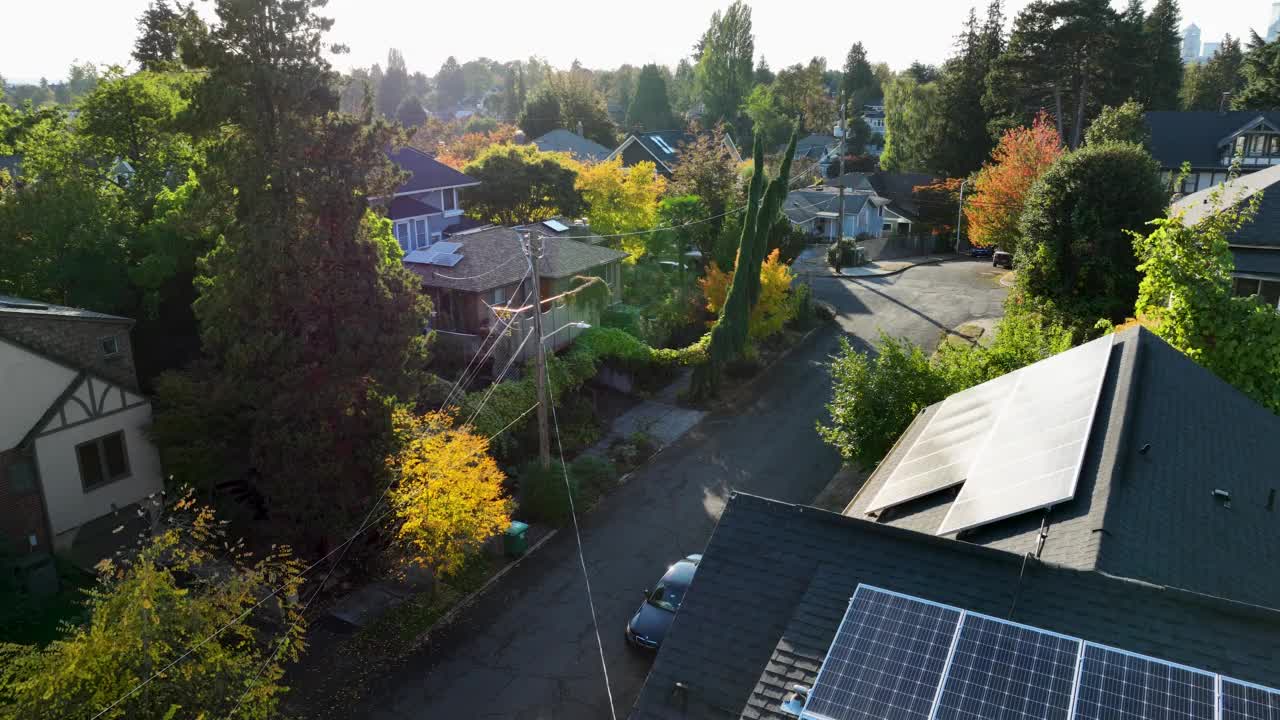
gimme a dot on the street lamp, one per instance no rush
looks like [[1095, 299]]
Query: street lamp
[[574, 325]]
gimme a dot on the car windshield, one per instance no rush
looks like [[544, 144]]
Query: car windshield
[[667, 597]]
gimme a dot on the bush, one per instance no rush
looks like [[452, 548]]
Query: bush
[[842, 253], [543, 498], [623, 317], [594, 475], [803, 313]]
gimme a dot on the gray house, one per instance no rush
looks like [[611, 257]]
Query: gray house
[[561, 140], [428, 207]]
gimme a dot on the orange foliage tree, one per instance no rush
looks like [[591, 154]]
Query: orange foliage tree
[[775, 306], [461, 150], [448, 497], [1000, 189]]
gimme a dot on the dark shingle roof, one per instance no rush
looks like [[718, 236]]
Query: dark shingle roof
[[1257, 262], [426, 172], [814, 146], [405, 207], [898, 187], [1146, 516], [492, 258], [1263, 231], [1193, 136], [804, 205], [775, 580], [664, 145], [21, 307], [561, 140]]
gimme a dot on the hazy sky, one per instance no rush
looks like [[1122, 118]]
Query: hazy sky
[[43, 37]]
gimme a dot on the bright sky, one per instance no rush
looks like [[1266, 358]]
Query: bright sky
[[43, 37]]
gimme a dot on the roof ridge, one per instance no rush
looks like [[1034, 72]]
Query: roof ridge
[[1123, 398]]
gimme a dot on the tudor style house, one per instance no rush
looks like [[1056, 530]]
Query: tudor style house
[[428, 207], [1210, 141], [73, 434], [662, 148]]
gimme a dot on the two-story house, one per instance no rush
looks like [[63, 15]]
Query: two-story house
[[816, 210], [662, 148], [428, 207], [73, 425], [1210, 141]]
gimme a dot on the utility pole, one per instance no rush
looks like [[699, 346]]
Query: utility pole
[[534, 248], [844, 145], [960, 213]]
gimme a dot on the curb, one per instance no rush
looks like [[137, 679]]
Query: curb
[[891, 273], [425, 636]]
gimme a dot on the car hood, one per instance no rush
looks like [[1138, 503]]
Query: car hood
[[651, 622]]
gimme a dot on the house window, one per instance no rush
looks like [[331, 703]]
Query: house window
[[499, 296], [102, 461], [450, 199], [402, 235], [419, 234], [1267, 291], [1190, 183], [110, 345]]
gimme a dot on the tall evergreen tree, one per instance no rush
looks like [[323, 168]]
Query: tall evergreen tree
[[451, 84], [309, 322], [725, 56], [1260, 74], [394, 87], [763, 75], [411, 114], [650, 108], [161, 29], [964, 141], [1163, 50], [860, 85], [1214, 84]]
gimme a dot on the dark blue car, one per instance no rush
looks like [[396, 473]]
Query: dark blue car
[[649, 625], [981, 252]]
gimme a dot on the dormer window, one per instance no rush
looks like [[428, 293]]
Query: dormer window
[[110, 346]]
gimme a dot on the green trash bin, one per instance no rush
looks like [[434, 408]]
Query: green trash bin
[[516, 540]]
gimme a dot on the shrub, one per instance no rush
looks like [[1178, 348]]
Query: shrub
[[594, 475], [842, 253], [623, 317], [543, 497]]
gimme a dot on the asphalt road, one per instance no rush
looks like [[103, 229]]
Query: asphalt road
[[527, 648]]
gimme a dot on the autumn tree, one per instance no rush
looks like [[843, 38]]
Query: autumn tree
[[706, 168], [457, 152], [448, 497], [187, 588], [521, 184], [621, 200], [995, 204], [774, 308]]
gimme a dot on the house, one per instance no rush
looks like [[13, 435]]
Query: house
[[1163, 551], [428, 206], [561, 140], [1255, 247], [479, 270], [816, 210], [1210, 141], [903, 211], [662, 148], [73, 434], [873, 115]]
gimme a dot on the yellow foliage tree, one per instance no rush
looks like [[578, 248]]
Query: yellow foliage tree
[[448, 499], [775, 306], [622, 200]]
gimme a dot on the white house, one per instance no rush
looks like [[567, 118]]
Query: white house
[[817, 211], [73, 434]]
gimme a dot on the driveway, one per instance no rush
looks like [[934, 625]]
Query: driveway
[[527, 648]]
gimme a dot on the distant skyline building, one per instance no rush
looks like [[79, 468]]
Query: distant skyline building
[[1191, 42], [1208, 49], [1273, 26]]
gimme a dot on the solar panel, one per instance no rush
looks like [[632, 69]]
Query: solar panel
[[1003, 671], [886, 660], [1035, 449], [446, 247], [1244, 701], [424, 256], [555, 225], [446, 259], [945, 449], [1115, 685], [896, 656]]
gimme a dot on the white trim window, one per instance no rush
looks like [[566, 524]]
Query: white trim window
[[450, 200], [420, 240], [402, 235], [499, 296], [102, 461], [1267, 291]]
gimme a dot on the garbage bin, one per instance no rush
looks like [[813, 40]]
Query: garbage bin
[[516, 540]]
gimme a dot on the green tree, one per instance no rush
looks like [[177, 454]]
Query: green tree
[[912, 114], [566, 99], [1076, 259], [1212, 85], [801, 94], [394, 87], [293, 393], [451, 84], [1125, 124], [859, 84], [768, 120], [161, 30], [520, 184], [706, 168], [964, 140], [1260, 71], [650, 108], [762, 75], [684, 87], [1159, 86], [411, 114], [188, 587], [725, 57]]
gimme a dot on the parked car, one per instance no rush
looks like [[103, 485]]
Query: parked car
[[1002, 258], [649, 625], [981, 252]]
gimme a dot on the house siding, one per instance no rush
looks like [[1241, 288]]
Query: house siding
[[21, 507], [29, 384], [75, 342], [69, 504], [635, 153]]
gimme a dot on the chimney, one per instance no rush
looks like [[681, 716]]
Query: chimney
[[580, 134]]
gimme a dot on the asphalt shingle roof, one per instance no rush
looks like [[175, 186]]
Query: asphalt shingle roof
[[775, 580], [1147, 515], [664, 145], [804, 205], [492, 258], [1262, 231], [426, 173], [898, 187], [21, 307], [1193, 136], [561, 140]]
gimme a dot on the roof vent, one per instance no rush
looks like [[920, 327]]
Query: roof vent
[[1222, 496], [793, 702]]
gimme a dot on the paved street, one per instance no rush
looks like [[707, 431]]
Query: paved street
[[527, 649]]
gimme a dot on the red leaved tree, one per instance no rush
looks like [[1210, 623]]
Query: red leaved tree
[[1000, 189]]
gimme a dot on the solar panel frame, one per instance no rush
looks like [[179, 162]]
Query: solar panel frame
[[1117, 697], [1245, 707]]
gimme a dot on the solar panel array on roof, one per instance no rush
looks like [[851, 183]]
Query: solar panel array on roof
[[1033, 454], [446, 247], [555, 225], [902, 657], [446, 259]]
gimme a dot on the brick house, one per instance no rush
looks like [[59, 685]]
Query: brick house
[[73, 444]]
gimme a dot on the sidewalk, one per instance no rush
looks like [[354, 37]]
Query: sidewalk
[[659, 417]]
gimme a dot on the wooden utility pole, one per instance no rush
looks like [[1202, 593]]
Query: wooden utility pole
[[844, 145], [534, 249]]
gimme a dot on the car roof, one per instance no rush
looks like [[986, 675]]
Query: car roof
[[681, 573]]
